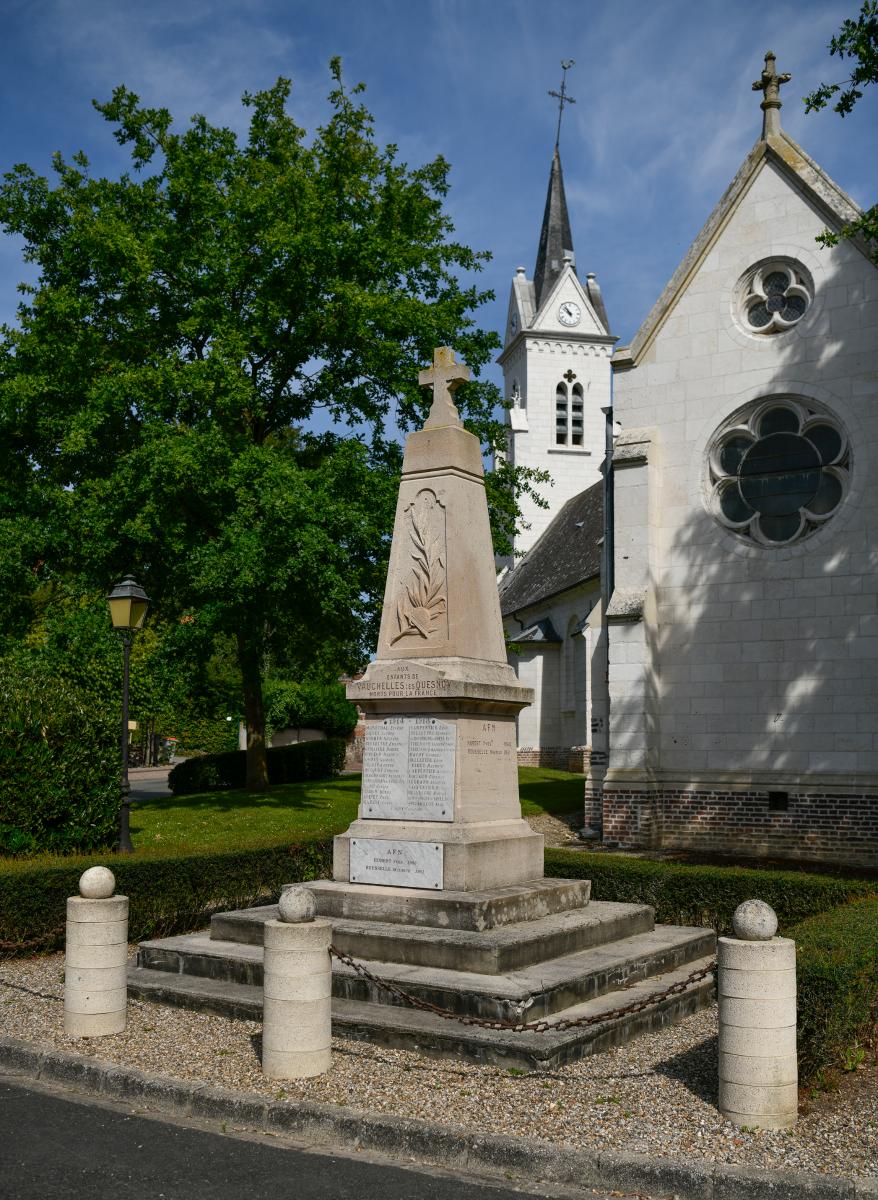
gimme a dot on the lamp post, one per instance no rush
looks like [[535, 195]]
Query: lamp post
[[128, 604]]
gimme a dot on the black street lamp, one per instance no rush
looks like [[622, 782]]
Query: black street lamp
[[128, 604]]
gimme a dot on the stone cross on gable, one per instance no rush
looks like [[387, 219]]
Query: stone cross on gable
[[770, 85], [445, 376]]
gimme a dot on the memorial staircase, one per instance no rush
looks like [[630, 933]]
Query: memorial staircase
[[528, 952]]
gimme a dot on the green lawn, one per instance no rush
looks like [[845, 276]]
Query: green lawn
[[237, 820], [545, 791]]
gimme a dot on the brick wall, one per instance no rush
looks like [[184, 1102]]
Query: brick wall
[[819, 826], [559, 758]]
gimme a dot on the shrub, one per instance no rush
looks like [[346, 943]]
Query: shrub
[[323, 706], [202, 735], [705, 895], [837, 981], [59, 764], [286, 764], [167, 895]]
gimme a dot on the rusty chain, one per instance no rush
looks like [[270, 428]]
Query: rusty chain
[[545, 1025]]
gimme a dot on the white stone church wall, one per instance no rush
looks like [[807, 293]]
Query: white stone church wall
[[765, 660], [556, 729]]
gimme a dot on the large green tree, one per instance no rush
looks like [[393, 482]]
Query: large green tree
[[857, 42], [205, 381]]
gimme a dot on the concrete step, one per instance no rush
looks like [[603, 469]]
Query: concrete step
[[495, 951], [471, 911], [532, 991], [411, 1029], [475, 911], [491, 951]]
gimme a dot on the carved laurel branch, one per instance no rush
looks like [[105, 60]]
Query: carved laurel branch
[[423, 598]]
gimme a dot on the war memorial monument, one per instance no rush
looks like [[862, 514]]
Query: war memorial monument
[[438, 886]]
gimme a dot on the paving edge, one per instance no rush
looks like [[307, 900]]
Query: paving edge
[[494, 1155]]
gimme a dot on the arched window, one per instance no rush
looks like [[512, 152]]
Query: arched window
[[561, 421], [576, 410]]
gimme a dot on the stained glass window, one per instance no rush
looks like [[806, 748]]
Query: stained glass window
[[778, 472]]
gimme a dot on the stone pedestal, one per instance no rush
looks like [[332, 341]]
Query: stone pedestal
[[95, 959], [296, 1031], [440, 808], [758, 1073]]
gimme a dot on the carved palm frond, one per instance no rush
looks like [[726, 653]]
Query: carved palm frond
[[423, 600]]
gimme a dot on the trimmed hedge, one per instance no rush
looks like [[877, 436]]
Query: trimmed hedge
[[168, 896], [59, 765], [286, 764], [705, 895], [837, 978]]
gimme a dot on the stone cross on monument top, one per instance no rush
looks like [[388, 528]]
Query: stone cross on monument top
[[445, 376], [769, 84]]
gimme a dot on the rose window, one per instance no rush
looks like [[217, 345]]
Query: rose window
[[774, 296], [780, 473]]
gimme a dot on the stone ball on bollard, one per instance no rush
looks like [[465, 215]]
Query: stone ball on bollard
[[297, 905], [97, 883], [754, 921]]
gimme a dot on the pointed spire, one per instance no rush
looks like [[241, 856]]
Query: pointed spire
[[556, 240]]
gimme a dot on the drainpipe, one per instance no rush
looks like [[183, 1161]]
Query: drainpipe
[[609, 563]]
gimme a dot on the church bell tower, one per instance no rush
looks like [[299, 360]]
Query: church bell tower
[[556, 361]]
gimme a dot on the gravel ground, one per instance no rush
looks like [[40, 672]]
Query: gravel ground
[[654, 1096]]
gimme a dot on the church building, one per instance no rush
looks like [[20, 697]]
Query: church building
[[697, 610]]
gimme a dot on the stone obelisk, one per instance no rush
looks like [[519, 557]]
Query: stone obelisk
[[440, 808]]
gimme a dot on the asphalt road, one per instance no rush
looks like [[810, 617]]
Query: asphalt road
[[53, 1147], [148, 782]]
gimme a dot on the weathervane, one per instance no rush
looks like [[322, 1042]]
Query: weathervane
[[562, 96]]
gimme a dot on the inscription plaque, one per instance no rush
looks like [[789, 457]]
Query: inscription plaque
[[396, 863], [408, 769]]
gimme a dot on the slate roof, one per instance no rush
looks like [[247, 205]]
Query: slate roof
[[556, 240], [568, 553]]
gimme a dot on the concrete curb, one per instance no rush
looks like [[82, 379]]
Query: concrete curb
[[522, 1159]]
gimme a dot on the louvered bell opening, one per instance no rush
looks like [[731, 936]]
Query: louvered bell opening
[[561, 415], [576, 417]]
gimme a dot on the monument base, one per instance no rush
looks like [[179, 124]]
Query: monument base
[[536, 951], [473, 857]]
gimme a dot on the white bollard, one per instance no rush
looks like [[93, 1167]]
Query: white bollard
[[756, 984], [95, 959], [297, 992]]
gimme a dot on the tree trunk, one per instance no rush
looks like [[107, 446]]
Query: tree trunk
[[250, 661]]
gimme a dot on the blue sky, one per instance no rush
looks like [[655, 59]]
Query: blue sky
[[663, 118]]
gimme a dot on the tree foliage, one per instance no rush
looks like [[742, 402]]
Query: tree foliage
[[857, 40], [205, 379]]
